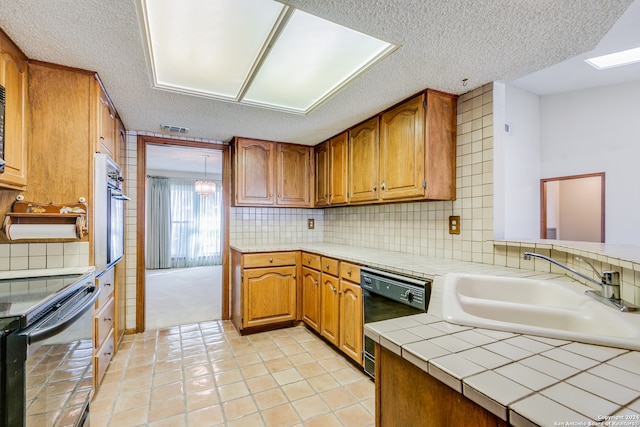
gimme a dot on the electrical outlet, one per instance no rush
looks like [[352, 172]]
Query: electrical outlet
[[454, 225], [311, 223]]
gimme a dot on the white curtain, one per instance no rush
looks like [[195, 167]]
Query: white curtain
[[158, 247], [195, 224]]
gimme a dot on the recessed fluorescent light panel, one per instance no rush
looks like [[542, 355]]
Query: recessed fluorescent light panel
[[617, 59], [256, 52]]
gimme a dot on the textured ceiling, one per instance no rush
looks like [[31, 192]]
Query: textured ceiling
[[442, 42]]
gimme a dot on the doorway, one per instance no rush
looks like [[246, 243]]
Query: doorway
[[572, 208], [186, 286]]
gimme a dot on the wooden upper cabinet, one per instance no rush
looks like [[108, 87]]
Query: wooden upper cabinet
[[268, 173], [107, 126], [294, 175], [440, 146], [321, 156], [402, 151], [13, 76], [364, 161], [418, 149], [331, 163], [254, 172], [338, 184]]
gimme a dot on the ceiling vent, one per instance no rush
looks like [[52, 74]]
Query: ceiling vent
[[174, 129]]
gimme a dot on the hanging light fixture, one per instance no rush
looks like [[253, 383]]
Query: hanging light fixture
[[204, 187]]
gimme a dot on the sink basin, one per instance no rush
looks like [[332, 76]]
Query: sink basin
[[545, 308]]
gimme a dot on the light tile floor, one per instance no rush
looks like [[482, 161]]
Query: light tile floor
[[206, 374]]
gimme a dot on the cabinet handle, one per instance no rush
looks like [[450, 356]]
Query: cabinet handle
[[317, 283], [327, 266], [375, 188], [107, 284], [333, 289], [294, 275], [279, 196], [339, 292], [270, 259], [107, 319], [383, 186], [106, 353], [349, 272], [309, 261]]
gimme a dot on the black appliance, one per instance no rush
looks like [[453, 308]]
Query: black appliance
[[46, 344], [388, 296], [109, 212]]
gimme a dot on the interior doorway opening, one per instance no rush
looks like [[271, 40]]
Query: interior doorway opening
[[182, 270], [573, 208]]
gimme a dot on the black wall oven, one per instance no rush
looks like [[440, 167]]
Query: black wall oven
[[47, 350], [109, 213], [389, 296]]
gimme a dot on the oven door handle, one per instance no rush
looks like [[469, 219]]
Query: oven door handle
[[39, 334]]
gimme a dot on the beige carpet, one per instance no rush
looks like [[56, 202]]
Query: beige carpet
[[182, 295]]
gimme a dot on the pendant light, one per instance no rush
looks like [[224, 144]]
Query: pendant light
[[204, 187]]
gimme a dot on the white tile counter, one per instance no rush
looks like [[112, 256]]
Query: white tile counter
[[525, 380], [21, 274]]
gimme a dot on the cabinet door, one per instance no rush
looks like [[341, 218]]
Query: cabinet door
[[106, 126], [338, 169], [13, 76], [294, 175], [440, 163], [311, 298], [351, 320], [330, 308], [254, 172], [402, 151], [269, 295], [321, 156], [364, 162]]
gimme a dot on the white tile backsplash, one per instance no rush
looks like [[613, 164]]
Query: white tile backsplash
[[29, 256]]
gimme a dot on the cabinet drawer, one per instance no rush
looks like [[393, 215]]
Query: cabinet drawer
[[101, 359], [350, 272], [103, 323], [105, 282], [330, 266], [274, 259], [311, 260]]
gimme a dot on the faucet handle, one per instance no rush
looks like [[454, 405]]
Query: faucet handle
[[611, 278]]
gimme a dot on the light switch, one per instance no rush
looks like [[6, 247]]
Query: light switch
[[311, 223]]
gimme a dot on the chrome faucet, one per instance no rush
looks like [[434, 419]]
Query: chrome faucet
[[609, 282]]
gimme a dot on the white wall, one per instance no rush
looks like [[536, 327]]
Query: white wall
[[597, 130], [516, 163]]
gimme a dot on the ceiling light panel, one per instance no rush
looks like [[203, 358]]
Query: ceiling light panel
[[257, 52], [207, 47], [616, 59], [311, 59]]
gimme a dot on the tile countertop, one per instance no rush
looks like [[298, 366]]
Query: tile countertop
[[525, 380], [21, 274], [408, 264]]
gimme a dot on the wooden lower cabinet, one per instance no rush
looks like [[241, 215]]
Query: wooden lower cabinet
[[408, 396], [103, 325], [351, 328], [264, 290], [311, 297], [332, 302], [269, 295], [330, 308]]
